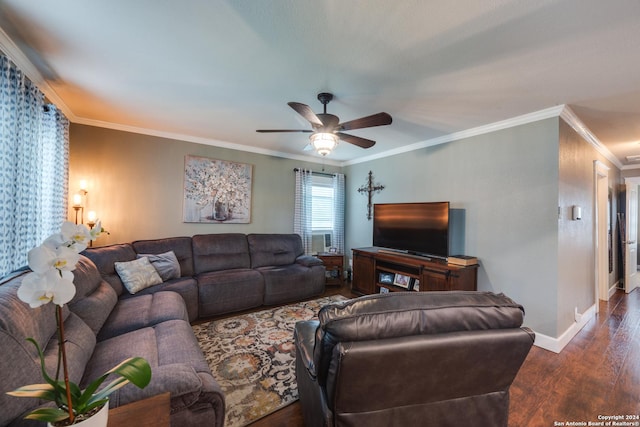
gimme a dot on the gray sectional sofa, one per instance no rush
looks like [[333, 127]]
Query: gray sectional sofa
[[105, 323]]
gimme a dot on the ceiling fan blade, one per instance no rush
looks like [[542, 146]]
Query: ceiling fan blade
[[356, 140], [305, 111], [283, 130], [380, 119]]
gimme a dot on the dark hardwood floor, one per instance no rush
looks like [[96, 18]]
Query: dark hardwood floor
[[597, 374]]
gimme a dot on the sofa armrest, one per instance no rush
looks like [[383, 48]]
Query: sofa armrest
[[309, 260], [304, 336]]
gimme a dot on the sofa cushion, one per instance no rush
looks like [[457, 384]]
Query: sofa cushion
[[138, 274], [309, 260], [166, 264], [181, 247], [292, 282], [105, 257], [172, 352], [229, 290], [143, 311], [186, 287], [94, 298], [215, 252], [274, 249]]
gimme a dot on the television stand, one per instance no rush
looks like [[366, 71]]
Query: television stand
[[376, 270]]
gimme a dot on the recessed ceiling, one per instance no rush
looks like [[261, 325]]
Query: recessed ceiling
[[215, 71]]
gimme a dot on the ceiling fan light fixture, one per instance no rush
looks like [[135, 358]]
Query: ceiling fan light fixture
[[324, 143]]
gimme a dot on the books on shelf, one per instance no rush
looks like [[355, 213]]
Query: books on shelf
[[463, 260]]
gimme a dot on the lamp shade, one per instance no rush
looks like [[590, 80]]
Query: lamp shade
[[323, 143]]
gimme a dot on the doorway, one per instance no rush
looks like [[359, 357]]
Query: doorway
[[630, 243], [601, 186]]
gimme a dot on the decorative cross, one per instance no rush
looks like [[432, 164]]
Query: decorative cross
[[370, 188]]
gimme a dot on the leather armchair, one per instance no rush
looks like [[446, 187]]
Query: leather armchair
[[411, 359]]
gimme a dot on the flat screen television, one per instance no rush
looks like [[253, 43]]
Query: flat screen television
[[415, 228]]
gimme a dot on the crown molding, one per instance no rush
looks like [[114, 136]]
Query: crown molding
[[480, 130], [572, 120], [205, 141], [15, 54], [563, 111]]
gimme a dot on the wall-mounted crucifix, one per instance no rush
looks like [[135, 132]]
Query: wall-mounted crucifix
[[370, 188]]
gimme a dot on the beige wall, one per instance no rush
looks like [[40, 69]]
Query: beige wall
[[135, 184]]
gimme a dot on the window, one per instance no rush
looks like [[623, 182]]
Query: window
[[322, 204], [319, 210]]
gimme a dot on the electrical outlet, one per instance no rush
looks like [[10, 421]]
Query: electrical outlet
[[577, 315]]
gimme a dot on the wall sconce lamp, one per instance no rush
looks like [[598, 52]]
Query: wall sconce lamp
[[91, 219], [77, 206], [576, 213]]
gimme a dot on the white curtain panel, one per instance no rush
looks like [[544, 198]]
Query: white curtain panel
[[34, 153], [338, 214], [303, 213]]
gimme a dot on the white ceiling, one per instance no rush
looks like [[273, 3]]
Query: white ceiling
[[215, 71]]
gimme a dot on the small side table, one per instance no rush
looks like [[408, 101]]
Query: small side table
[[334, 264], [151, 412]]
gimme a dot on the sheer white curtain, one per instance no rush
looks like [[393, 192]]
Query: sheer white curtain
[[338, 212], [34, 151], [304, 209], [302, 219]]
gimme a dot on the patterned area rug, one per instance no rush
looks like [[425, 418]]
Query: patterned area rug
[[252, 357]]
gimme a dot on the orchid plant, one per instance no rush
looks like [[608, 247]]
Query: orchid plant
[[51, 280]]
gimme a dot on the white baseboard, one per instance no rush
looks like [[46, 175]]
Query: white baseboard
[[612, 290], [557, 344]]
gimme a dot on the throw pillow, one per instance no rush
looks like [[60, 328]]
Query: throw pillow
[[166, 264], [137, 275]]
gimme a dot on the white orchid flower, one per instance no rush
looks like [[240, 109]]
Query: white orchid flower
[[96, 230], [66, 259], [54, 241], [77, 235], [43, 258], [53, 286]]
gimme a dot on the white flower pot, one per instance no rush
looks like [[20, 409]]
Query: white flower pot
[[99, 419]]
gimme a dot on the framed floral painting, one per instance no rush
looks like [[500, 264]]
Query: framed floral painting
[[216, 191]]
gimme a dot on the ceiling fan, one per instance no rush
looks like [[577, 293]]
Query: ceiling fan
[[327, 129]]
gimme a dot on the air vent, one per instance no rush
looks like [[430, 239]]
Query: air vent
[[633, 158]]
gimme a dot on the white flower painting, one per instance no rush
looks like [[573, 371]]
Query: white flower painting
[[216, 191]]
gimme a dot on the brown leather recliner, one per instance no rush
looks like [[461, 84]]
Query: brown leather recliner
[[411, 359]]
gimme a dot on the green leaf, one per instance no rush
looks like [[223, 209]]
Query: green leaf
[[135, 370], [41, 391], [48, 414]]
